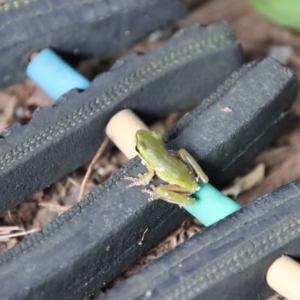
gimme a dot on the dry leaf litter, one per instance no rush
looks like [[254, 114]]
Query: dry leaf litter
[[277, 165]]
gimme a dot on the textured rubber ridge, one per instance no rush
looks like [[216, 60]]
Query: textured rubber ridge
[[61, 138], [226, 261], [85, 28], [83, 249]]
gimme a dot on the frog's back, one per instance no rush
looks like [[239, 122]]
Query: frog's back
[[169, 168], [173, 170]]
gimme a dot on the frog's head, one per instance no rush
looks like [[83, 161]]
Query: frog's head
[[147, 140]]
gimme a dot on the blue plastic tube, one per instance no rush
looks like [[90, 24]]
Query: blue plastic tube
[[211, 205], [54, 75]]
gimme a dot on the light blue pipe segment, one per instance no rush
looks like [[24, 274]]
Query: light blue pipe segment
[[211, 205], [54, 75]]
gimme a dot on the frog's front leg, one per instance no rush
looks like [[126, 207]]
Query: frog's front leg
[[190, 160], [170, 193], [143, 179]]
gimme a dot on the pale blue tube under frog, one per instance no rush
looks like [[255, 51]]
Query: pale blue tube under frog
[[211, 205]]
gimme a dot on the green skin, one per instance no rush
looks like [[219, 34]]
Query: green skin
[[179, 169]]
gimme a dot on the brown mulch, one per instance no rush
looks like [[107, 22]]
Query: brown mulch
[[282, 159]]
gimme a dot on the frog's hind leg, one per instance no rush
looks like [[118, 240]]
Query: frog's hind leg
[[190, 160], [170, 193]]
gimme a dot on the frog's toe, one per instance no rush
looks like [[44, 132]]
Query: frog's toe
[[147, 191], [130, 179], [136, 181], [152, 197], [153, 187]]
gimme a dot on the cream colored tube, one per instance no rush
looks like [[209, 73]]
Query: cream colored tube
[[283, 276], [121, 129]]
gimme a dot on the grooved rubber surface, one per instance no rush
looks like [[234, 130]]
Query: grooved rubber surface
[[94, 241], [61, 138], [226, 261], [85, 28]]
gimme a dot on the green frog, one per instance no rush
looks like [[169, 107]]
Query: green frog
[[179, 169]]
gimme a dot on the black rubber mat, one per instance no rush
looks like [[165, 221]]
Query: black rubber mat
[[83, 249], [59, 139], [228, 260], [84, 28]]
